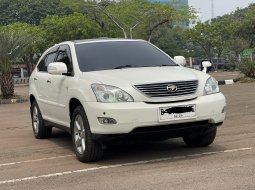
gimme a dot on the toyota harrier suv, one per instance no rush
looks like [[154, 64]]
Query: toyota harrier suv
[[114, 88]]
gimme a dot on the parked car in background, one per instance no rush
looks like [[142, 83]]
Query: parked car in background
[[116, 88]]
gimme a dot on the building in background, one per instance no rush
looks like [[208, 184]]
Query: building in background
[[193, 22], [176, 4]]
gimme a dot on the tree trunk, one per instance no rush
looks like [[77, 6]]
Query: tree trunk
[[155, 27], [7, 85]]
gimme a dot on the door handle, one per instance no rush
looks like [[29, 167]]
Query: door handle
[[35, 78], [48, 81]]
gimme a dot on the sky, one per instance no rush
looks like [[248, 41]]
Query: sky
[[221, 7]]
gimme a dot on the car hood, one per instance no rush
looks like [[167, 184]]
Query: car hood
[[127, 78], [133, 76]]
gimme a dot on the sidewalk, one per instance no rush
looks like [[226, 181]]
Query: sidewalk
[[21, 90], [224, 75]]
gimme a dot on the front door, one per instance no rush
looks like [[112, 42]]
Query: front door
[[58, 89], [43, 83]]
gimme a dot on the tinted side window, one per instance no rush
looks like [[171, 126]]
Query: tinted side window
[[64, 56], [49, 59], [42, 62]]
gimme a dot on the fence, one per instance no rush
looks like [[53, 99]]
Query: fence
[[21, 80]]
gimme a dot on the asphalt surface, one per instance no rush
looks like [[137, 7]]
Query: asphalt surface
[[229, 163], [226, 75]]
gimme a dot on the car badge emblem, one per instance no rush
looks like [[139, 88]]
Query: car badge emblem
[[171, 88]]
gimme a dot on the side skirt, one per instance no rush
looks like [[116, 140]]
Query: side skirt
[[64, 128]]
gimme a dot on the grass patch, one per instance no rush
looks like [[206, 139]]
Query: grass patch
[[246, 80]]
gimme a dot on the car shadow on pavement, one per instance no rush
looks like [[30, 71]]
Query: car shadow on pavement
[[138, 151], [173, 148], [62, 139]]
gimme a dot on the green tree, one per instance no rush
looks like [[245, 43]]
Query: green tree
[[169, 39], [75, 5], [247, 28], [30, 11], [124, 16], [10, 50], [167, 14], [223, 31], [213, 37], [35, 43], [136, 15], [71, 27], [202, 36], [238, 27]]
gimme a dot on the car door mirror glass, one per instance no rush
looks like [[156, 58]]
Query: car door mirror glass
[[57, 68]]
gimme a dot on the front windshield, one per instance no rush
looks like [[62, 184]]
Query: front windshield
[[119, 54]]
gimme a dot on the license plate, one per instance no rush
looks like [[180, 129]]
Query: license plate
[[176, 113]]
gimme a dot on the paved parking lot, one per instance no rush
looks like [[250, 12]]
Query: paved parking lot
[[27, 163], [222, 75]]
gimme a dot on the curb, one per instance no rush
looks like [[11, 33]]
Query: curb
[[14, 100], [228, 82]]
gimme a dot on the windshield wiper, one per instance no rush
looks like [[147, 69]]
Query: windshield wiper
[[130, 66], [123, 66], [165, 65]]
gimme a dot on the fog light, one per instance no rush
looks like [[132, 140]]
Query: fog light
[[106, 120]]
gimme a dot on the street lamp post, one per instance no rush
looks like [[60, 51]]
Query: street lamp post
[[212, 9]]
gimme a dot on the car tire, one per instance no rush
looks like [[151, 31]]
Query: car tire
[[40, 130], [86, 149], [201, 140]]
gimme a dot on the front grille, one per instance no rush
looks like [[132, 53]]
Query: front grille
[[158, 90]]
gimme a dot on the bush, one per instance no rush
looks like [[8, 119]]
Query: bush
[[247, 67], [233, 66]]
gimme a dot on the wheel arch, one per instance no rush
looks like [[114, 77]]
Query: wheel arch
[[73, 103], [32, 99]]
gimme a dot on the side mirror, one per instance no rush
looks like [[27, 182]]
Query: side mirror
[[205, 65], [180, 60], [57, 68]]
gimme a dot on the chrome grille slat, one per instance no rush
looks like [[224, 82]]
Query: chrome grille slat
[[155, 86], [184, 88], [164, 89], [171, 94], [165, 94], [181, 91]]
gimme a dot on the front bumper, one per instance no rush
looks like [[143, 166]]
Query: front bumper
[[133, 115]]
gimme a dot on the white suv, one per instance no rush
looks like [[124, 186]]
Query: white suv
[[105, 89]]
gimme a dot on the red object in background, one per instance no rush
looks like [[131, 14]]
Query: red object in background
[[33, 66], [24, 66]]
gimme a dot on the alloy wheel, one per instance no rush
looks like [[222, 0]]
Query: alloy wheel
[[79, 134], [35, 120]]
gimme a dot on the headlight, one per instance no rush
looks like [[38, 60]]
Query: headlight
[[110, 94], [211, 86]]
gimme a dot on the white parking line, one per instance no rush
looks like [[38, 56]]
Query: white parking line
[[118, 165], [208, 170], [37, 160]]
